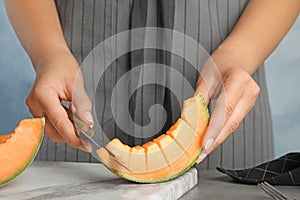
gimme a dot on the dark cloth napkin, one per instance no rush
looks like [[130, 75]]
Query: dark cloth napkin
[[281, 171]]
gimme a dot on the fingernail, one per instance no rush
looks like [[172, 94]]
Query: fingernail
[[201, 157], [208, 143], [88, 117], [88, 148], [73, 108]]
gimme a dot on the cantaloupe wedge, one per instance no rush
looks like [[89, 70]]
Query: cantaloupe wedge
[[168, 155], [18, 149]]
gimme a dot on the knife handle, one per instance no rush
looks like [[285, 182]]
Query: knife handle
[[78, 123]]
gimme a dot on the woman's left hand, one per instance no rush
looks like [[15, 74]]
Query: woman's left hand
[[235, 92]]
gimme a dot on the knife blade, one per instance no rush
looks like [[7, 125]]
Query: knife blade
[[88, 133]]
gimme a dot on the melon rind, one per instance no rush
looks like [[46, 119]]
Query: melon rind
[[204, 105], [167, 178], [3, 182]]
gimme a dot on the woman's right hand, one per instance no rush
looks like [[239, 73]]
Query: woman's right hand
[[55, 81]]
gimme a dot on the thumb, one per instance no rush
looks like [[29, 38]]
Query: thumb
[[216, 123], [201, 88], [209, 81]]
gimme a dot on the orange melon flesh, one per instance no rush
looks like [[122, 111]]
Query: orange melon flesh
[[18, 149], [3, 138], [137, 162], [195, 113], [155, 159], [120, 150], [183, 134], [170, 149], [169, 155], [167, 173], [110, 162]]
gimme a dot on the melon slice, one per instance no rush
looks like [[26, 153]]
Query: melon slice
[[18, 149], [168, 155]]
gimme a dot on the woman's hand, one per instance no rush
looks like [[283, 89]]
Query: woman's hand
[[256, 34], [38, 27], [235, 92], [55, 81]]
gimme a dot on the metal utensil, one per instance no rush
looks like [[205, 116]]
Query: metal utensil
[[272, 191], [85, 133]]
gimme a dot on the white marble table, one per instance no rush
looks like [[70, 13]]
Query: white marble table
[[77, 181]]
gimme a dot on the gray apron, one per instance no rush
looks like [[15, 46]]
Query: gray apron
[[87, 23]]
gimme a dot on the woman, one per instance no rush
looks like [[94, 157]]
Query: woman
[[238, 34]]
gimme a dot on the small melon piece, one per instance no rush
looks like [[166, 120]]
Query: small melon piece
[[120, 150], [183, 134], [155, 158], [18, 149], [195, 113], [137, 161], [171, 150]]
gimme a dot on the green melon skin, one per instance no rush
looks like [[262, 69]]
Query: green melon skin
[[4, 182], [204, 105], [164, 179]]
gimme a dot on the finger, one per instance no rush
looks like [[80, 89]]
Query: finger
[[59, 119], [87, 145], [51, 132], [81, 103], [36, 111], [235, 83], [230, 126], [202, 89], [208, 83], [242, 109], [233, 89], [72, 107], [233, 123], [215, 125]]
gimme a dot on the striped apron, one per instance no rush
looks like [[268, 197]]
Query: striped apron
[[87, 23]]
